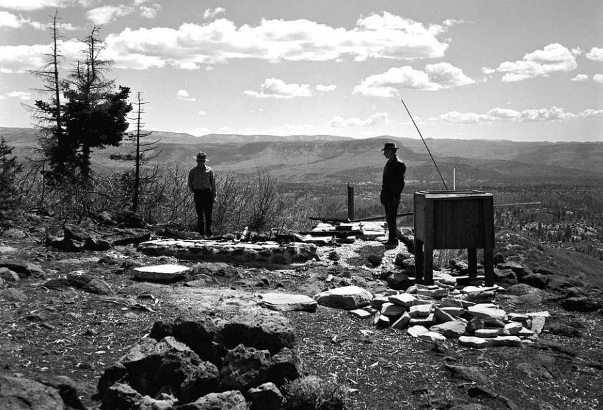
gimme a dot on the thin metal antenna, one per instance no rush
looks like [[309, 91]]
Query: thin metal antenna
[[423, 139]]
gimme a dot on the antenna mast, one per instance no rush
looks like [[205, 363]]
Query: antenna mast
[[423, 139]]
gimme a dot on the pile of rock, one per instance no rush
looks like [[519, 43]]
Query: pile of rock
[[201, 363], [76, 238], [326, 232], [439, 312], [231, 251]]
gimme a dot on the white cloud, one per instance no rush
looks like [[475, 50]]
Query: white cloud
[[504, 114], [107, 14], [590, 113], [211, 14], [30, 5], [598, 78], [201, 113], [185, 96], [435, 77], [488, 70], [465, 117], [377, 118], [580, 77], [20, 59], [545, 114], [10, 20], [595, 54], [21, 95], [540, 63], [150, 12], [193, 45], [275, 88], [326, 88], [452, 22]]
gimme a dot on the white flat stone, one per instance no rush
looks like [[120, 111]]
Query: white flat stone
[[455, 328], [487, 312], [415, 331], [391, 310], [512, 328], [402, 322], [472, 341], [432, 336], [403, 299], [424, 321], [286, 302], [171, 269], [360, 313], [487, 333]]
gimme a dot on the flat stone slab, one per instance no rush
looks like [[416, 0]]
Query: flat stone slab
[[160, 273], [285, 302], [221, 250], [345, 297]]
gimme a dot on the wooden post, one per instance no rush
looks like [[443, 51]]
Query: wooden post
[[350, 202]]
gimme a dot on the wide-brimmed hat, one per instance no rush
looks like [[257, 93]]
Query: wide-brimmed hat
[[201, 156], [389, 145]]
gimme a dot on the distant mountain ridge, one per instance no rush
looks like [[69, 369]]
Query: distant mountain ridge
[[323, 158]]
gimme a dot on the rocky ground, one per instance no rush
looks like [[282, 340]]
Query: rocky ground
[[62, 328]]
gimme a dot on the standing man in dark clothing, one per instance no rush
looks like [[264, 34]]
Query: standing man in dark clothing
[[202, 184], [391, 189]]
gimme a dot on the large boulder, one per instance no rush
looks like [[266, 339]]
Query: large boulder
[[204, 380], [260, 329], [228, 400], [151, 366], [198, 331], [244, 368], [284, 366], [266, 397], [21, 393]]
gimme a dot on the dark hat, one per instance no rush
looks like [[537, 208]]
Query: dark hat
[[201, 156], [389, 145]]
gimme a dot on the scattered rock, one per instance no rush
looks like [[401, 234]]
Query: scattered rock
[[347, 297], [470, 373], [581, 304]]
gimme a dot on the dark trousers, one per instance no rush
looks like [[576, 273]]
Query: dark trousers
[[204, 205], [391, 203]]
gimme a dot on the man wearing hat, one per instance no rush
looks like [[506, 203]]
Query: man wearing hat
[[202, 184], [391, 190]]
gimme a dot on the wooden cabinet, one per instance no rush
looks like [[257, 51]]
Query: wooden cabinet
[[453, 220]]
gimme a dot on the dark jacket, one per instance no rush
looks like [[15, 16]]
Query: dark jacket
[[393, 178]]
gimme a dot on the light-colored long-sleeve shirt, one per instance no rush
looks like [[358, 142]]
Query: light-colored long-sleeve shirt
[[202, 177]]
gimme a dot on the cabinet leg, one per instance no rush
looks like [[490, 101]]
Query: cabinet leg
[[428, 265], [472, 260], [489, 265], [419, 265]]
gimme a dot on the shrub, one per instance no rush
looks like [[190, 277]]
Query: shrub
[[313, 393]]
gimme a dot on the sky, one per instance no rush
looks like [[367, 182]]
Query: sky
[[523, 70]]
